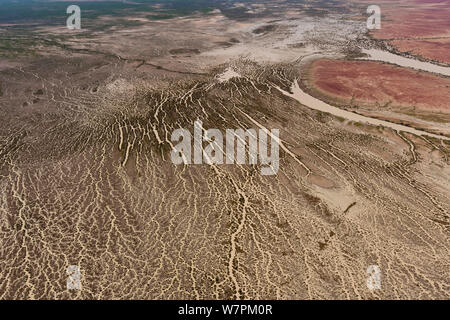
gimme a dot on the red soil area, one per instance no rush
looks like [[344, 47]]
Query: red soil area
[[438, 50], [369, 83], [415, 20]]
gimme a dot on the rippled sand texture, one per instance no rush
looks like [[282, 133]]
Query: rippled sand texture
[[94, 186]]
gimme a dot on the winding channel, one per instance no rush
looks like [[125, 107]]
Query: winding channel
[[378, 55], [384, 56]]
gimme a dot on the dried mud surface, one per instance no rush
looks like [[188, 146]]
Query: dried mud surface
[[86, 177]]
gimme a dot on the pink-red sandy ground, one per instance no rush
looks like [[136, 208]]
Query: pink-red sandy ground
[[374, 83], [421, 27]]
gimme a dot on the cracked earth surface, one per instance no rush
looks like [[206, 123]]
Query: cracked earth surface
[[86, 179]]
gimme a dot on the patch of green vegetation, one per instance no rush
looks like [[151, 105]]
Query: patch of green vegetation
[[161, 16], [22, 39], [17, 47], [206, 10], [54, 12], [179, 10], [16, 42], [433, 117]]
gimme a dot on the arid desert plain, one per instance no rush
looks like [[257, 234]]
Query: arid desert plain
[[92, 205]]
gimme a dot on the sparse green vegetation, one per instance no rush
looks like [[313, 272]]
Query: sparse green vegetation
[[19, 47], [54, 13]]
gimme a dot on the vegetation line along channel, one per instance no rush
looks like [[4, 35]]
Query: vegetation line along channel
[[316, 104]]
